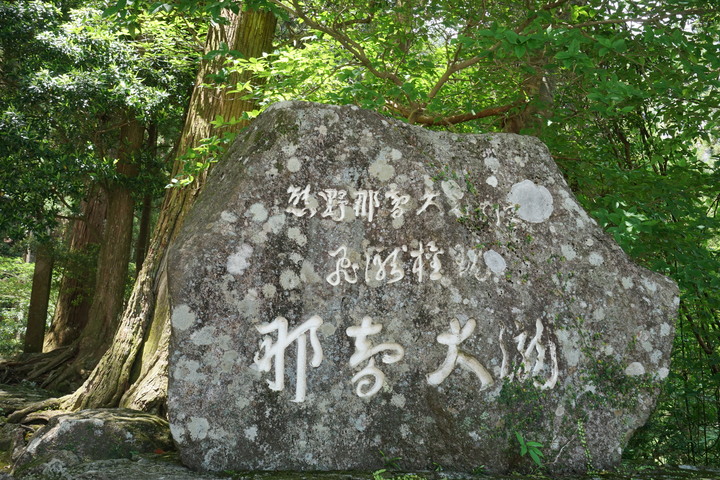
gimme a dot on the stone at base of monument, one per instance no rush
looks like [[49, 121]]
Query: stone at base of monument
[[348, 284], [70, 439]]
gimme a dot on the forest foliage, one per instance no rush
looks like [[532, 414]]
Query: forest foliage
[[68, 79], [624, 93], [16, 280]]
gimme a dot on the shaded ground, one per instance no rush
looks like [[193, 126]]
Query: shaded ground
[[166, 466], [15, 397], [145, 468]]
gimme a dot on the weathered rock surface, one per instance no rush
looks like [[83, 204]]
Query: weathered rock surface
[[12, 439], [138, 468], [13, 436], [89, 435], [348, 284], [17, 397]]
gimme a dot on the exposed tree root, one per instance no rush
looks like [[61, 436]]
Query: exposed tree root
[[30, 413], [44, 369]]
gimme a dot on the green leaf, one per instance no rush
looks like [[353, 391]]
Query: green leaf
[[160, 6], [619, 45], [565, 55], [511, 37], [134, 28], [114, 9]]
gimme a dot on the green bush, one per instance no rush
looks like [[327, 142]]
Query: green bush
[[15, 287]]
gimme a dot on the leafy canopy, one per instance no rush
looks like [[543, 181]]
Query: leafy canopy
[[70, 80]]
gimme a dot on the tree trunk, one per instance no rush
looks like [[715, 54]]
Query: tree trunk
[[39, 299], [141, 246], [133, 372], [78, 283], [539, 89], [143, 238], [112, 265]]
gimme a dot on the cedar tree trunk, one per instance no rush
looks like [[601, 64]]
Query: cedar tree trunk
[[112, 265], [133, 372], [39, 299], [78, 282]]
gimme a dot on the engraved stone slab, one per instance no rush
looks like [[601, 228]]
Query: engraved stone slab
[[347, 283]]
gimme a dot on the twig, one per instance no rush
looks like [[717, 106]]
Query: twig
[[430, 121]]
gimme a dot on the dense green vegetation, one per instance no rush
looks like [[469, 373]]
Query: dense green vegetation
[[69, 80], [624, 93], [15, 282]]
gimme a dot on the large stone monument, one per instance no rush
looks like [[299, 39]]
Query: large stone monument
[[349, 287]]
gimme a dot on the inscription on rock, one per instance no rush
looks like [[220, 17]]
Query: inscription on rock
[[348, 284]]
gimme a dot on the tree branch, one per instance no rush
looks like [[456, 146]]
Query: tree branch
[[430, 121], [455, 67], [70, 217], [704, 344], [550, 6], [651, 19], [358, 21], [354, 48]]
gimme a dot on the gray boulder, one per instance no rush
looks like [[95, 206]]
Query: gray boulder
[[90, 435], [141, 467], [349, 289]]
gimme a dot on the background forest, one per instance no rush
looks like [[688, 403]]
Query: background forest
[[112, 113]]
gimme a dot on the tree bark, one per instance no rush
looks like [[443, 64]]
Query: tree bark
[[141, 246], [78, 283], [39, 299], [133, 372], [539, 90], [112, 266], [114, 254], [143, 238]]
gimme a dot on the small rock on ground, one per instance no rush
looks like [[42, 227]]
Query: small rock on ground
[[120, 469]]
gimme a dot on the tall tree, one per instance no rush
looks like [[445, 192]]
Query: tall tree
[[39, 299], [113, 256], [78, 279], [86, 94], [133, 373]]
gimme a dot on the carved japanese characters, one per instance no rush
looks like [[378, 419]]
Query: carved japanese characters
[[365, 351], [276, 351], [347, 284]]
